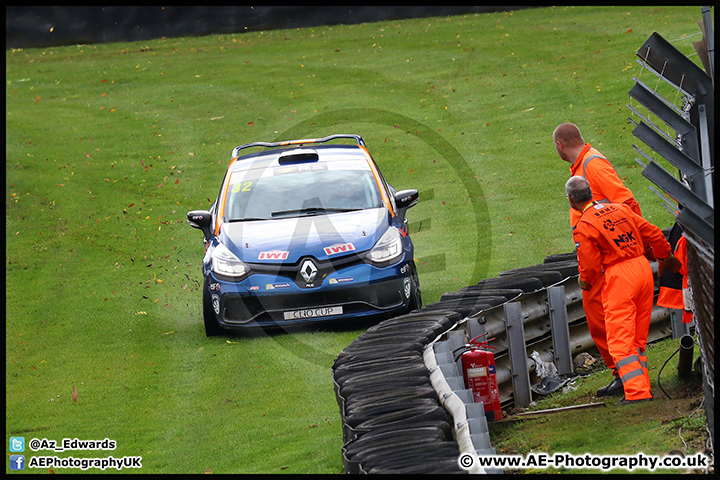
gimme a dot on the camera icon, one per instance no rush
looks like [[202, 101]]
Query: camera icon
[[17, 444]]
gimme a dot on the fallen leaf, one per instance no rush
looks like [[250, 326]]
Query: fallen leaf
[[74, 395]]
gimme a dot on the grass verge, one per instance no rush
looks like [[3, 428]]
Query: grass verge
[[108, 146], [672, 424]]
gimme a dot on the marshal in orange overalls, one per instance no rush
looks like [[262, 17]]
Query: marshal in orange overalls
[[606, 187], [611, 238], [674, 285]]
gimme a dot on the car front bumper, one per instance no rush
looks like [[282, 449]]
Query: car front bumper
[[357, 293]]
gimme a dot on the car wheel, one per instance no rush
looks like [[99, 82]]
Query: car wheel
[[212, 329], [415, 294]]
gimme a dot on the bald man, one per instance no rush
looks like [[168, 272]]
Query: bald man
[[610, 240], [588, 163]]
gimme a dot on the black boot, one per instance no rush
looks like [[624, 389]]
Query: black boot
[[623, 401], [613, 388]]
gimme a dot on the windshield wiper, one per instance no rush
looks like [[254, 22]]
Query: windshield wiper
[[248, 219], [312, 211]]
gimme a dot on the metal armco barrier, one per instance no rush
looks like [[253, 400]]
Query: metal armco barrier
[[399, 386], [537, 328]]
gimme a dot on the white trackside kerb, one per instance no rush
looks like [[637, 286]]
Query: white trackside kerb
[[453, 404]]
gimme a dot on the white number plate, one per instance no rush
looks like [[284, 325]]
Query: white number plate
[[313, 313]]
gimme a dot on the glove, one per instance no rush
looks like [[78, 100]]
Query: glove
[[670, 264], [649, 254], [584, 285]]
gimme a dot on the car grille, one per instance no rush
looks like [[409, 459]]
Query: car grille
[[383, 296], [292, 271]]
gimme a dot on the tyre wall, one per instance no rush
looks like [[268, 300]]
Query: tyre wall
[[402, 398]]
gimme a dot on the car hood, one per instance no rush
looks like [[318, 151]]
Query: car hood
[[321, 236]]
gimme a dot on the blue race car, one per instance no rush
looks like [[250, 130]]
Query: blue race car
[[305, 231]]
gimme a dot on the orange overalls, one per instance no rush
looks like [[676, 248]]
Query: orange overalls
[[606, 187], [673, 284], [611, 238], [681, 254]]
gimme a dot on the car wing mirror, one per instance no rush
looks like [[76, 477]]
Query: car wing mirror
[[201, 219], [405, 199]]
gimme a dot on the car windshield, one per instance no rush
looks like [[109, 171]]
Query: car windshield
[[300, 190]]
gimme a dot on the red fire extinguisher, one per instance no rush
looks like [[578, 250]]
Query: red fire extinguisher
[[478, 366]]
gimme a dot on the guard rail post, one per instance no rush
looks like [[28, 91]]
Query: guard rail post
[[560, 330], [679, 329], [517, 353], [456, 338]]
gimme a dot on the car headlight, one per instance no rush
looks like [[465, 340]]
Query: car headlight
[[387, 250], [225, 263]]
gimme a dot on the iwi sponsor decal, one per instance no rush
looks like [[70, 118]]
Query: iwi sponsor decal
[[273, 255], [339, 248]]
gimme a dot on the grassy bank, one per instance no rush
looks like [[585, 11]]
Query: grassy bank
[[108, 146], [673, 424]]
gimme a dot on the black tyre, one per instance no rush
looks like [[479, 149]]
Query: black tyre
[[415, 294], [367, 412], [212, 328], [446, 318], [408, 416], [567, 268], [463, 308], [482, 291], [470, 299], [560, 257], [370, 351], [547, 277], [522, 282], [429, 433], [398, 394]]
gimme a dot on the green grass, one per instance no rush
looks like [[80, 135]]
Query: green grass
[[665, 426], [108, 146]]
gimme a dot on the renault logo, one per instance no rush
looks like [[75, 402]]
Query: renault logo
[[308, 270]]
